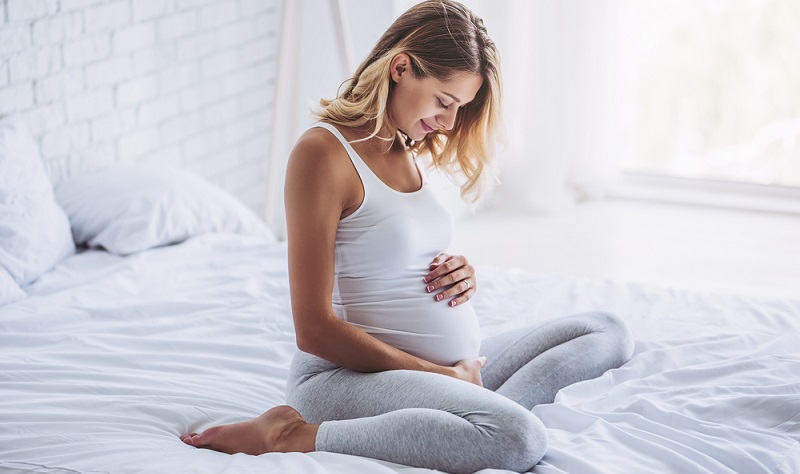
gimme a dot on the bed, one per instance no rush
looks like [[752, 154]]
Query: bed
[[168, 312]]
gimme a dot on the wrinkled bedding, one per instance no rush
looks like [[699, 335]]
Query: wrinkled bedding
[[109, 359]]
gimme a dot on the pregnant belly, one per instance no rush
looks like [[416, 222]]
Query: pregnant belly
[[407, 317]]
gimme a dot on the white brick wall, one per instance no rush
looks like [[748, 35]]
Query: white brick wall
[[183, 82]]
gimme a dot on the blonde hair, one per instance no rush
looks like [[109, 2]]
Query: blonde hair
[[442, 39]]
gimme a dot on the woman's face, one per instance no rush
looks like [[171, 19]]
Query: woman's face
[[419, 106]]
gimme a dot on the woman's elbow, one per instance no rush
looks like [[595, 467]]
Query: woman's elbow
[[309, 338], [304, 343]]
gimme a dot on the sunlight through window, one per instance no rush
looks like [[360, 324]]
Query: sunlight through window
[[710, 89]]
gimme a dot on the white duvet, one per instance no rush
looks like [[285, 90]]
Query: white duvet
[[109, 359]]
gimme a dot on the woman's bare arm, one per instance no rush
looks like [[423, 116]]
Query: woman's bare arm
[[319, 189]]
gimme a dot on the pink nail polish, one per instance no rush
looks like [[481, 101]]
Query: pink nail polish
[[438, 297], [452, 303], [426, 279]]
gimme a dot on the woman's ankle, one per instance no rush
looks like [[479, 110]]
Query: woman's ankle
[[298, 437]]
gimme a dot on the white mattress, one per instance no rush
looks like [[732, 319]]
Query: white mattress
[[110, 359]]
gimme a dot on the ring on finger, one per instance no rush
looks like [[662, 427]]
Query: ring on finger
[[468, 285]]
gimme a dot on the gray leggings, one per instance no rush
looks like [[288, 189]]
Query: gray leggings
[[429, 420]]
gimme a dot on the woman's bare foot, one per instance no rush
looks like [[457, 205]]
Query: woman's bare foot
[[280, 429]]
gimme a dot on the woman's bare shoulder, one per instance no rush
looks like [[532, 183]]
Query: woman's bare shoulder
[[316, 143], [318, 159]]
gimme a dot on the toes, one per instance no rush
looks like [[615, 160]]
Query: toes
[[189, 438], [206, 438]]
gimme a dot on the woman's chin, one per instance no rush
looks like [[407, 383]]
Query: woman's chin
[[417, 134], [420, 135]]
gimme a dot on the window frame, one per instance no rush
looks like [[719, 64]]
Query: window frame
[[708, 192]]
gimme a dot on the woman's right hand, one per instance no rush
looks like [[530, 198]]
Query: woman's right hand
[[469, 370]]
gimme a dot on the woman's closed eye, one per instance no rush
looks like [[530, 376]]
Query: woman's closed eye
[[442, 104]]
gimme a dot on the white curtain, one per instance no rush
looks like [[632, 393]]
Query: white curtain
[[311, 66], [558, 61]]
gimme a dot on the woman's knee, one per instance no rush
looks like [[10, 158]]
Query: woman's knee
[[520, 441], [620, 339]]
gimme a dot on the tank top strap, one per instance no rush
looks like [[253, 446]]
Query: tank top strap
[[363, 170]]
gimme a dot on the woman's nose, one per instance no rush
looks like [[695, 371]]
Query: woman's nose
[[448, 119]]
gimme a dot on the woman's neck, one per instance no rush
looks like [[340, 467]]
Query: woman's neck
[[383, 142]]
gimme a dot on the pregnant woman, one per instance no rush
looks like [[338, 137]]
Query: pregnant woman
[[391, 362]]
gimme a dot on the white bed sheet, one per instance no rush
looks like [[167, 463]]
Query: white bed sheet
[[110, 359]]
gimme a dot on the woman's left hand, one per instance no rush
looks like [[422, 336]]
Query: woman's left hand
[[454, 273]]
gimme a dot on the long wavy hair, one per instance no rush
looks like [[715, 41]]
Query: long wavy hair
[[442, 38]]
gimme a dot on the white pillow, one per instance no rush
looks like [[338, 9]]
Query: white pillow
[[9, 290], [130, 208], [34, 231]]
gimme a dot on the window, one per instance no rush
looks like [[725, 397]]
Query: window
[[709, 89]]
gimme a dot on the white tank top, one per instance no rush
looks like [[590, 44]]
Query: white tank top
[[383, 250]]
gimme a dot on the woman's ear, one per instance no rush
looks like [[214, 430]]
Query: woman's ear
[[400, 66]]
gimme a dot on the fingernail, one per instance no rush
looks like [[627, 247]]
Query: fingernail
[[452, 303], [429, 288], [438, 297], [426, 279]]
